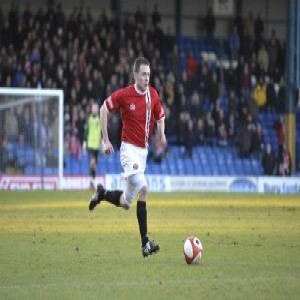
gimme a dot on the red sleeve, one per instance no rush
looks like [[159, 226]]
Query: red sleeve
[[112, 103], [158, 108]]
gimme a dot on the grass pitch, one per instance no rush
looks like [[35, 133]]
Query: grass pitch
[[52, 247]]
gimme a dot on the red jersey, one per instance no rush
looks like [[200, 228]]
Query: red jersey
[[138, 112]]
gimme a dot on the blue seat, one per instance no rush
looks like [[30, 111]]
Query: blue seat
[[50, 171], [223, 170], [30, 170]]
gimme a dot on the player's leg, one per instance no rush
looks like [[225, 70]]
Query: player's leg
[[93, 165], [141, 214], [117, 197], [92, 172], [139, 184], [114, 197], [148, 247]]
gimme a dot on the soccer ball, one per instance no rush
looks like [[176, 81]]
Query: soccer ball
[[192, 250]]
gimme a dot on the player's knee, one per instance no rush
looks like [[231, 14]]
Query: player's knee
[[126, 206], [124, 203], [143, 193]]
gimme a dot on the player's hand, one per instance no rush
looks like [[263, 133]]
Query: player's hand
[[108, 147]]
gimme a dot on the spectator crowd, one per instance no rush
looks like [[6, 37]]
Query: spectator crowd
[[207, 102]]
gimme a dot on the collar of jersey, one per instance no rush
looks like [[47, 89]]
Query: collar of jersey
[[139, 92]]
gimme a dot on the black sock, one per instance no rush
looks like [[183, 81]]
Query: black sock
[[93, 173], [113, 197], [141, 213]]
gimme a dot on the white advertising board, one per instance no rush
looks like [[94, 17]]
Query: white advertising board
[[160, 183], [47, 183], [165, 183], [28, 183], [279, 185]]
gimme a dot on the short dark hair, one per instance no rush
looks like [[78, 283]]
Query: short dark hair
[[138, 62]]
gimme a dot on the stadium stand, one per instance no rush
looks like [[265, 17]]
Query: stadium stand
[[89, 59]]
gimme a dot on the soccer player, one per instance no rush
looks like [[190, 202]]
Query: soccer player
[[93, 142], [140, 108]]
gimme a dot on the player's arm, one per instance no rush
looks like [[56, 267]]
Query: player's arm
[[159, 115], [161, 131], [107, 146]]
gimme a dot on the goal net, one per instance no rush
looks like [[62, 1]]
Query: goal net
[[31, 134]]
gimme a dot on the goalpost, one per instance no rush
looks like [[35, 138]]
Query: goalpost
[[31, 134]]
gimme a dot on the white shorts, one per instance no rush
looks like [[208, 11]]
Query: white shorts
[[133, 160]]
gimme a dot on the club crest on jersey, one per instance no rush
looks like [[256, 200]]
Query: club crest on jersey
[[132, 106]]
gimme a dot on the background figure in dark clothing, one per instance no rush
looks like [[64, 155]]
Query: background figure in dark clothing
[[284, 161], [210, 23], [3, 156], [188, 138], [268, 161], [271, 95], [156, 17]]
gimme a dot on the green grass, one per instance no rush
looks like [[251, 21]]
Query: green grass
[[52, 247]]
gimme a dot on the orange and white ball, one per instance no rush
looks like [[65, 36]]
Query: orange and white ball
[[192, 250]]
